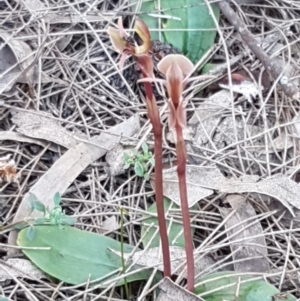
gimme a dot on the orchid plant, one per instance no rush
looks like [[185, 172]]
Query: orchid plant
[[177, 70], [141, 53]]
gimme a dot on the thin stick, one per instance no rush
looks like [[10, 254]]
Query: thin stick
[[275, 70]]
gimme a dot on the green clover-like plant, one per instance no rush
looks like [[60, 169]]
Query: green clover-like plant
[[140, 161], [56, 216]]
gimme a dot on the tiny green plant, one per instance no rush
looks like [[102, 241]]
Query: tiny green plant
[[140, 161], [56, 216]]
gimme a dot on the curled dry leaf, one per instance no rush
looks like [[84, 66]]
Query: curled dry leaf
[[242, 84], [22, 268], [8, 170], [170, 291], [16, 58], [252, 249], [66, 169], [13, 136], [202, 181], [115, 159], [43, 126]]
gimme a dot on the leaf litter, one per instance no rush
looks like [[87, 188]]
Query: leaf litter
[[69, 166], [250, 255], [74, 78]]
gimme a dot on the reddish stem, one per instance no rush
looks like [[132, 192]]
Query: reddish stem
[[154, 117], [181, 171]]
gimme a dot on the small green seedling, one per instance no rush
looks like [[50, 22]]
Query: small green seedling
[[140, 161], [56, 216]]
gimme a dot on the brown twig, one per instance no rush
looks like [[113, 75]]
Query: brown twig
[[271, 66]]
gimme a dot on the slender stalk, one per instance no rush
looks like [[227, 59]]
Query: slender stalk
[[153, 113], [181, 171], [122, 252]]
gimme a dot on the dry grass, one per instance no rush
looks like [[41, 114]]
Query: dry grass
[[95, 96]]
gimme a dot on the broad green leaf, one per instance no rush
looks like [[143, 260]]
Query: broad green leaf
[[30, 233], [139, 169], [75, 255], [252, 290], [174, 239], [191, 34], [57, 199]]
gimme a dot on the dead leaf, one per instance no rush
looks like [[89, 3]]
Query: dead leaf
[[201, 181], [15, 267], [42, 125], [187, 133], [250, 249], [152, 258], [8, 135], [194, 191], [170, 291], [242, 85], [40, 11], [66, 169], [278, 186], [110, 224], [116, 161], [8, 170], [208, 115]]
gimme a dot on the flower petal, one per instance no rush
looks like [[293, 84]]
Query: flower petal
[[174, 79], [121, 29], [183, 63], [117, 41], [123, 58], [142, 30]]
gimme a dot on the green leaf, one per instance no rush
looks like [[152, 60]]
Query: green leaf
[[146, 176], [57, 199], [151, 160], [145, 148], [35, 204], [75, 255], [252, 290], [127, 165], [126, 157], [30, 233], [139, 169], [174, 238], [193, 14]]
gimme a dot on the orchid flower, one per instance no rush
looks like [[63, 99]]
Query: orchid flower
[[177, 69], [125, 48]]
